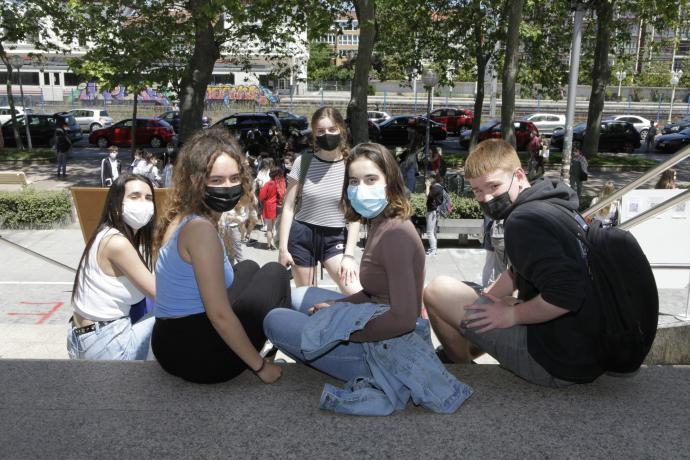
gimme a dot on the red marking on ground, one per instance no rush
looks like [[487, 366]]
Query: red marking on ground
[[42, 316]]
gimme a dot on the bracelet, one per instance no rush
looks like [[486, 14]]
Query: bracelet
[[263, 363]]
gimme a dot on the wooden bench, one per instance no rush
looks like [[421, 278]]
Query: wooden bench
[[13, 178]]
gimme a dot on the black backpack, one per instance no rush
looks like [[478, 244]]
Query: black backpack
[[624, 284], [445, 209]]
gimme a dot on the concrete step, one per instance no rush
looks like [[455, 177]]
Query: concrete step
[[69, 409]]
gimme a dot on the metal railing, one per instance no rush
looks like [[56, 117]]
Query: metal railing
[[607, 200]]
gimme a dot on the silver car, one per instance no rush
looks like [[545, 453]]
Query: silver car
[[641, 124], [546, 122], [91, 119]]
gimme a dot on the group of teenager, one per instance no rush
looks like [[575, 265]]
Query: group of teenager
[[211, 319]]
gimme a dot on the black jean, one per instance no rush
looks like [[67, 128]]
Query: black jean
[[190, 347]]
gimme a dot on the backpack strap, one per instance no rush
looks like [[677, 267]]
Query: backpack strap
[[305, 161]]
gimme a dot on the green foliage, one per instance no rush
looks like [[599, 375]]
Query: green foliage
[[371, 91], [35, 154], [34, 209], [464, 207]]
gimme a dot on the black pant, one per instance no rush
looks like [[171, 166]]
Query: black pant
[[190, 347]]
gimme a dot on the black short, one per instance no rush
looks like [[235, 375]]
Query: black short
[[309, 244]]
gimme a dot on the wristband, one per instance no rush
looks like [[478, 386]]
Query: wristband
[[263, 363]]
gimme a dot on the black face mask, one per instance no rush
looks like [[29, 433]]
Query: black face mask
[[328, 141], [497, 208], [223, 199]]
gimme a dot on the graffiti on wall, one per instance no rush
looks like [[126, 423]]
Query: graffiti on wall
[[89, 92], [236, 93]]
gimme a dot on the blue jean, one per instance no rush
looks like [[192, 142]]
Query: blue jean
[[283, 327], [119, 340]]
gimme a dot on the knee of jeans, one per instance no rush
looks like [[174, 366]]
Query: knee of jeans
[[276, 270], [272, 323], [247, 264], [298, 295]]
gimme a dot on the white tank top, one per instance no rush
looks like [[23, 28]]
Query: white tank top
[[102, 297]]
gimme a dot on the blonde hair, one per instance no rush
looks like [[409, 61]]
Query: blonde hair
[[490, 155], [606, 190]]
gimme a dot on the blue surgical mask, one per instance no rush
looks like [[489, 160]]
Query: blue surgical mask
[[368, 200]]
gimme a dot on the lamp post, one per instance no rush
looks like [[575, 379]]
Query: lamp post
[[620, 75], [675, 78], [429, 79], [18, 63]]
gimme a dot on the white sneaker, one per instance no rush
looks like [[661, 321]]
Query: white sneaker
[[430, 252]]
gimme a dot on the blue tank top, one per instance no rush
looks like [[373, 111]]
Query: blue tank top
[[177, 293]]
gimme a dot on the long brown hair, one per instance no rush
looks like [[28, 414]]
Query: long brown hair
[[398, 204], [667, 179], [336, 117], [111, 217], [192, 168]]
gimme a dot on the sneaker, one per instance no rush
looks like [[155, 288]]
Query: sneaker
[[431, 252]]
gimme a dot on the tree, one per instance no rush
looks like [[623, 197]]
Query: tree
[[26, 22], [357, 108], [510, 69], [128, 52]]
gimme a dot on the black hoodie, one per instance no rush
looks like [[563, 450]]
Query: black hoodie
[[547, 259]]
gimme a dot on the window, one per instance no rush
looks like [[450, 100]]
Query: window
[[30, 78], [232, 121], [103, 113], [222, 79], [537, 118], [553, 118], [3, 78], [46, 78], [72, 79]]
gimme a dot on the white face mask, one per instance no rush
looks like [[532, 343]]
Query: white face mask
[[137, 214]]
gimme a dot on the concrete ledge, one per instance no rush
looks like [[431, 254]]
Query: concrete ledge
[[671, 344], [65, 409]]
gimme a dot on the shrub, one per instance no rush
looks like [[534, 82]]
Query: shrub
[[464, 207], [371, 91], [34, 209], [35, 154]]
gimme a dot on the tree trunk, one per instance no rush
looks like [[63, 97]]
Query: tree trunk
[[196, 76], [510, 69], [10, 100], [357, 107], [134, 126], [601, 74], [479, 99]]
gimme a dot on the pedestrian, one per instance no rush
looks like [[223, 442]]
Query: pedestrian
[[209, 314], [667, 180], [579, 171], [313, 227], [271, 196], [651, 134], [114, 273], [111, 168], [409, 169], [150, 169], [63, 145], [137, 165], [535, 168], [437, 165], [434, 198], [608, 215]]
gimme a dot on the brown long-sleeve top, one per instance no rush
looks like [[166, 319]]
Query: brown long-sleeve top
[[392, 273]]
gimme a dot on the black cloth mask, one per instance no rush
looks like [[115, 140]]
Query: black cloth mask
[[223, 199], [497, 208], [328, 141]]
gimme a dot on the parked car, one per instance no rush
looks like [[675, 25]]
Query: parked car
[[669, 143], [492, 130], [290, 120], [546, 122], [615, 136], [41, 127], [91, 119], [377, 116], [6, 113], [455, 120], [641, 124], [69, 124], [242, 122], [150, 131], [394, 130], [676, 126]]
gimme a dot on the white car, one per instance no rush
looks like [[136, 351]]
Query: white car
[[377, 116], [91, 119], [6, 114], [641, 124], [546, 122]]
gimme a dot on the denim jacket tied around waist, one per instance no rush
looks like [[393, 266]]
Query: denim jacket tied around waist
[[402, 367]]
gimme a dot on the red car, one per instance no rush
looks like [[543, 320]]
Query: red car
[[455, 120], [492, 130], [152, 131]]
